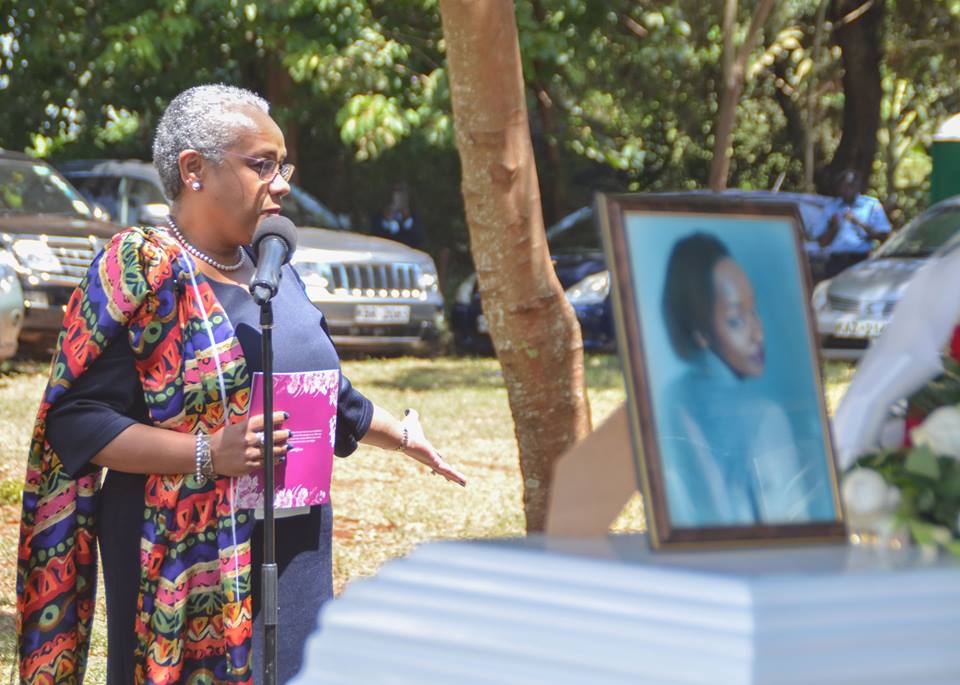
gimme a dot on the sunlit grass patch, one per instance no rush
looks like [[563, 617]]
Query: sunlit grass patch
[[384, 503]]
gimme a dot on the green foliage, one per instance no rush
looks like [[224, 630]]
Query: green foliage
[[941, 391], [622, 95], [372, 123], [95, 58], [929, 488], [631, 88], [922, 60], [929, 483]]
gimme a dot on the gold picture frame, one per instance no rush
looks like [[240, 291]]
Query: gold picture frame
[[730, 436]]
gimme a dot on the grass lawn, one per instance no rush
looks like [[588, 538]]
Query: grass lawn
[[384, 503]]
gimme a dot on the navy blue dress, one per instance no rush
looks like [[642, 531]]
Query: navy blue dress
[[108, 398]]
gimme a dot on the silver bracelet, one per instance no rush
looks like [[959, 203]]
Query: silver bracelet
[[203, 459]]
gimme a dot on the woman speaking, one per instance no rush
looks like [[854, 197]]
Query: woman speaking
[[152, 380]]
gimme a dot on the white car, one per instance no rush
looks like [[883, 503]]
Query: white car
[[11, 305], [854, 307], [377, 295]]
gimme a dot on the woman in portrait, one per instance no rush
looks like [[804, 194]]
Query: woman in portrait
[[151, 380], [728, 451]]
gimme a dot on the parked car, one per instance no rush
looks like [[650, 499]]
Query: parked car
[[51, 236], [130, 191], [11, 305], [377, 295], [854, 307], [579, 261]]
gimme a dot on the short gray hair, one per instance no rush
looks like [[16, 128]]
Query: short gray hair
[[208, 119]]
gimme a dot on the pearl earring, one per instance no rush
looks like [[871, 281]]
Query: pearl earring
[[195, 185]]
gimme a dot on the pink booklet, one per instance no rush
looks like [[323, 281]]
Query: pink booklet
[[310, 398]]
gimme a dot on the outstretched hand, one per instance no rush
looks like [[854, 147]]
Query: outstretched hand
[[419, 448]]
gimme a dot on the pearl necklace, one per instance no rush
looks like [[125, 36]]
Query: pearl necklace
[[192, 249]]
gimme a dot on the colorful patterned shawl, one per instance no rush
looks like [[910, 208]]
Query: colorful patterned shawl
[[194, 608]]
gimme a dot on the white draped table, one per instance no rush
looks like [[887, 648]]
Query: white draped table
[[608, 611]]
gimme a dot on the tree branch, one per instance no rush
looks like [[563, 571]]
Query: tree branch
[[734, 70], [634, 27], [756, 23], [729, 60], [853, 15]]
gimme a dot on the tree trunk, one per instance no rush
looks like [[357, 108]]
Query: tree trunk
[[857, 28], [731, 86], [811, 139], [534, 329]]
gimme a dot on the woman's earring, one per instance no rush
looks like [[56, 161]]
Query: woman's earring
[[196, 185]]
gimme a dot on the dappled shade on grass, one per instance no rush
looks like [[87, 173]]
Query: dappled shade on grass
[[384, 504]]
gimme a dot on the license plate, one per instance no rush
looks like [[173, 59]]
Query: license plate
[[382, 313], [482, 324], [859, 329]]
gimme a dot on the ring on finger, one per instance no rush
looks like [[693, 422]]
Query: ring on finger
[[259, 436]]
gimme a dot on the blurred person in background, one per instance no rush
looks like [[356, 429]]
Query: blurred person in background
[[856, 224], [397, 221]]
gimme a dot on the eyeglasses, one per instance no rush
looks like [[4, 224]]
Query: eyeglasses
[[267, 168]]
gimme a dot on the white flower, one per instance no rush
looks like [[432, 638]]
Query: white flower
[[865, 492], [940, 432], [871, 506], [893, 497], [283, 498], [300, 495], [248, 495]]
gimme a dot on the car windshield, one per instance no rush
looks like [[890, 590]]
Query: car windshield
[[34, 188], [574, 232], [924, 235], [303, 209]]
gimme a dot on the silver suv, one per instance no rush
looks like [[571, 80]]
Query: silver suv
[[377, 295]]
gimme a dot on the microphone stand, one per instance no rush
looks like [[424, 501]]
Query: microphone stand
[[269, 569], [273, 242]]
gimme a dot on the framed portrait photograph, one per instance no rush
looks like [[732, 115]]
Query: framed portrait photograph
[[727, 411]]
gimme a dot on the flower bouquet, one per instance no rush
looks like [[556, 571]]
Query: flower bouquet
[[914, 487]]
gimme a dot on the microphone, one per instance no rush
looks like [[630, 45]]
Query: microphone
[[273, 242]]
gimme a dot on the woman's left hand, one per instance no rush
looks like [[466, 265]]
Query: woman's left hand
[[419, 448]]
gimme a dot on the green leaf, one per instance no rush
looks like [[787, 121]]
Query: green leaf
[[949, 485], [930, 535], [926, 501], [922, 462]]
